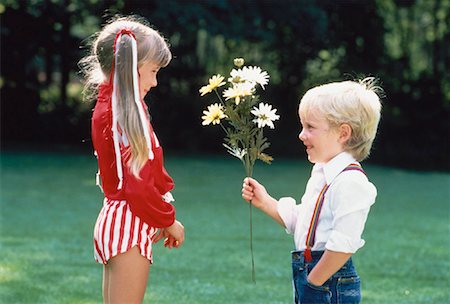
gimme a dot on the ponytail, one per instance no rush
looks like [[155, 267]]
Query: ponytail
[[127, 106]]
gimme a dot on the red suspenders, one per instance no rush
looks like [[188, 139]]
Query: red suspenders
[[310, 238]]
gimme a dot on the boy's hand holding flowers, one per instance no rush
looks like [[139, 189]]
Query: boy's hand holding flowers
[[256, 194]]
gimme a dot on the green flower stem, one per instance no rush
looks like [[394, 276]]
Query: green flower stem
[[218, 96], [224, 129], [248, 163], [251, 244]]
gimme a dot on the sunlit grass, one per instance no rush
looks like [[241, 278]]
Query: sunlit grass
[[49, 203]]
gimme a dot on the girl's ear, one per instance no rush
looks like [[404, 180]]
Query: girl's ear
[[345, 132]]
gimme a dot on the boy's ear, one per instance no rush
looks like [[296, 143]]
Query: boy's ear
[[345, 132]]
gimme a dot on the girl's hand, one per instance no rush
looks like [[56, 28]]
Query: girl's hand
[[175, 235], [170, 242], [159, 235], [254, 192]]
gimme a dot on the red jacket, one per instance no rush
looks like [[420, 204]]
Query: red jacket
[[144, 195]]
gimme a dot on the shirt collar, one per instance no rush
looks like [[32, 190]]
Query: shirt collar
[[332, 168]]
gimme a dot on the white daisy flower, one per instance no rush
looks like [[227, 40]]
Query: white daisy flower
[[213, 115], [251, 74], [239, 90], [237, 76], [265, 116], [256, 75], [214, 82]]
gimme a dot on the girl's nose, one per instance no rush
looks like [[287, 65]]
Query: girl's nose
[[154, 82]]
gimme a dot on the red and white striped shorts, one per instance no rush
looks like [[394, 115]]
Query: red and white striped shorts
[[117, 230]]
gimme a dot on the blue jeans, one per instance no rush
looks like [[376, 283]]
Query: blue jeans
[[343, 287]]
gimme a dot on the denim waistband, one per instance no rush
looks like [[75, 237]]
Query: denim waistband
[[298, 259], [298, 255]]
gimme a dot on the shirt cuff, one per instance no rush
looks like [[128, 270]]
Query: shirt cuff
[[286, 210], [168, 197], [340, 242]]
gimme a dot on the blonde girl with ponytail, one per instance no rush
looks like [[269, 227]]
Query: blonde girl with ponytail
[[137, 212]]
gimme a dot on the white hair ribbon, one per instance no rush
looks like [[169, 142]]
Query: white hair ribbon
[[114, 122]]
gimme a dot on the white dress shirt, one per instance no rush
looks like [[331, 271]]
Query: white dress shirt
[[344, 211]]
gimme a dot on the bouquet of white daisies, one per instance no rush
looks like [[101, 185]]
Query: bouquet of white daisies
[[242, 116]]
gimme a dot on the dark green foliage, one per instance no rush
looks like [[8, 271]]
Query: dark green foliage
[[300, 43]]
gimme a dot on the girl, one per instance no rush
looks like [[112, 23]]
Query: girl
[[339, 122], [122, 68]]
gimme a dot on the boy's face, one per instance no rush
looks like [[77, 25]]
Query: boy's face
[[321, 141]]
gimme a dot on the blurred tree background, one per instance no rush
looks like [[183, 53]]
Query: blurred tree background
[[301, 43]]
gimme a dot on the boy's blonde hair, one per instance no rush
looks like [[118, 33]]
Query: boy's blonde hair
[[97, 66], [356, 103]]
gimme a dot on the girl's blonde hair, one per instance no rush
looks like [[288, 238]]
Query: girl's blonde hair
[[97, 66], [356, 103]]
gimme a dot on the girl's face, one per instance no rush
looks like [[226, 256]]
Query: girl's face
[[147, 78], [321, 141]]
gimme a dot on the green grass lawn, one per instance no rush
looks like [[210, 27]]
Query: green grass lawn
[[49, 203]]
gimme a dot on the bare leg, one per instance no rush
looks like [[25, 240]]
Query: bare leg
[[126, 276], [105, 285]]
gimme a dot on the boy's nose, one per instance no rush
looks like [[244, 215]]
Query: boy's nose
[[301, 135]]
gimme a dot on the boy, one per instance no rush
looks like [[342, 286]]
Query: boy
[[339, 122]]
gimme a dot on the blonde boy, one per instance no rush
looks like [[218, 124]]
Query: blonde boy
[[339, 123]]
